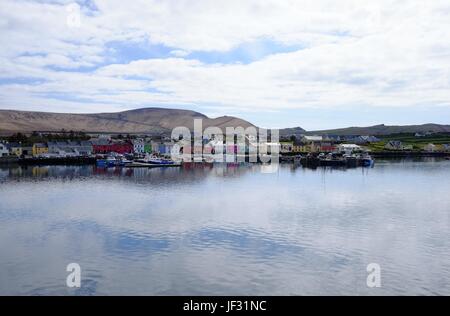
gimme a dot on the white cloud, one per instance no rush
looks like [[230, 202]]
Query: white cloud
[[354, 53]]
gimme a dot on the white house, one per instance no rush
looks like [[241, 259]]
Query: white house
[[348, 148], [394, 145], [430, 147], [138, 146], [4, 151], [309, 139]]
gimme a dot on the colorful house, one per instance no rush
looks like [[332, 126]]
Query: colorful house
[[103, 146], [147, 148], [327, 147], [39, 149], [167, 148], [138, 146], [162, 148], [297, 147]]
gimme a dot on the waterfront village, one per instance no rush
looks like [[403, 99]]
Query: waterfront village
[[63, 145]]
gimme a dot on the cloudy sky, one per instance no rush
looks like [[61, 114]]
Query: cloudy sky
[[313, 63]]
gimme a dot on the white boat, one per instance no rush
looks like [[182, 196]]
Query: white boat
[[153, 160]]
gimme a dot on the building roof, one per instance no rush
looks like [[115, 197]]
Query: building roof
[[313, 138], [395, 142], [138, 141], [40, 145], [85, 143], [100, 141], [349, 146]]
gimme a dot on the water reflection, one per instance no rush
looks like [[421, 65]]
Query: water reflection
[[226, 229]]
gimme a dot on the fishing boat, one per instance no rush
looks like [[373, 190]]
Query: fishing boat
[[108, 162], [366, 160], [152, 161]]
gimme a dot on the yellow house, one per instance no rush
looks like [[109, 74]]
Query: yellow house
[[39, 149], [300, 148]]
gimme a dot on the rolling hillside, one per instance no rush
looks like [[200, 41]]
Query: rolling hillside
[[147, 120]]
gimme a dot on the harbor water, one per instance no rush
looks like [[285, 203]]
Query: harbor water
[[226, 229]]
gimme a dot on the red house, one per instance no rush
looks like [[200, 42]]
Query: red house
[[105, 147], [327, 147]]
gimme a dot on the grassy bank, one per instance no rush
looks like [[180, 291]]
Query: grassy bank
[[418, 143]]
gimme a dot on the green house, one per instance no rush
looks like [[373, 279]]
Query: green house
[[148, 148]]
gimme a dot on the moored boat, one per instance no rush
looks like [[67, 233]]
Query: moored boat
[[108, 162], [153, 161], [367, 161], [112, 161]]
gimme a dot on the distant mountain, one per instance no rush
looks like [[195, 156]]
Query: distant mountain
[[146, 120], [371, 130], [385, 130], [162, 121], [297, 131]]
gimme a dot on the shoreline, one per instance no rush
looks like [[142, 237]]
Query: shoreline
[[4, 161]]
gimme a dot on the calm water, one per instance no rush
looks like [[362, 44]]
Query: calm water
[[226, 230]]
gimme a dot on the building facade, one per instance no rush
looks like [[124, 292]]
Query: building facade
[[394, 145], [348, 149], [312, 143], [39, 149], [70, 148], [16, 149], [286, 147], [104, 146], [148, 148], [138, 146]]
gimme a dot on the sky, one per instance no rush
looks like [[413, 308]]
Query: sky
[[317, 64]]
